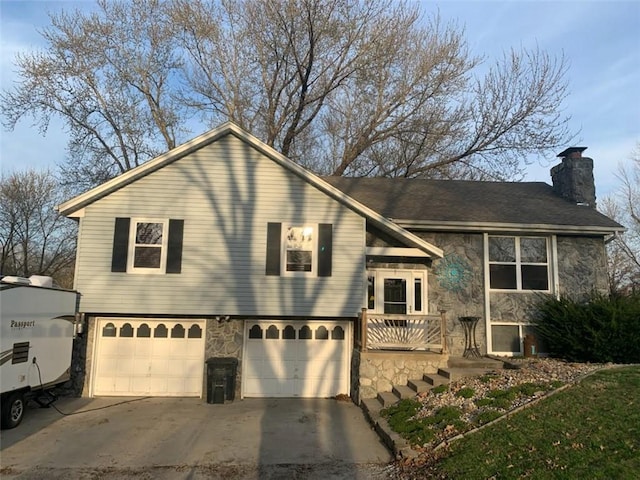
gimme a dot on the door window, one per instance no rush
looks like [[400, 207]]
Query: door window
[[399, 292]]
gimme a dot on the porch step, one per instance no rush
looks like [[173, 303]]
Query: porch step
[[403, 391], [387, 399], [482, 362], [419, 386], [435, 379], [372, 408], [453, 374]]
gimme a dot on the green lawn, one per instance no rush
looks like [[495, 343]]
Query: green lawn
[[588, 431]]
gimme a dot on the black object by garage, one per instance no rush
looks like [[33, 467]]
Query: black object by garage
[[221, 379]]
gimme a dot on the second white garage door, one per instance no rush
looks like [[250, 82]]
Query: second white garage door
[[151, 357], [296, 359]]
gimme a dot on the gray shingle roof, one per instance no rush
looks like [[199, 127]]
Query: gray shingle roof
[[460, 201]]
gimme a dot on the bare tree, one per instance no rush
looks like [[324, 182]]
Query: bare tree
[[109, 76], [35, 238], [343, 87], [624, 206]]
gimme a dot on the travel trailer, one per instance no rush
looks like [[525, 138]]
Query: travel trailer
[[38, 324]]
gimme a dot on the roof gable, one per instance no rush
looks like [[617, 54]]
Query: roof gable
[[75, 206]]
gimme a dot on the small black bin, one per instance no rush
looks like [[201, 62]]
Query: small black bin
[[221, 379]]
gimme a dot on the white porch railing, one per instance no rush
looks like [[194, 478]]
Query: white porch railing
[[402, 332]]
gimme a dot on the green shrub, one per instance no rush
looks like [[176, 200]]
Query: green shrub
[[603, 329], [440, 388], [529, 389], [466, 392]]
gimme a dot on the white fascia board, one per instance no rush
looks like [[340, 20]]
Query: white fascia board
[[396, 252], [507, 227]]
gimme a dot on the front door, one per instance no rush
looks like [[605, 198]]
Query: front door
[[399, 292]]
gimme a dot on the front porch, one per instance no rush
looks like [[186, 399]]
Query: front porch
[[392, 349]]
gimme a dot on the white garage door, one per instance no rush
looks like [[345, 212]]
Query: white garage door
[[152, 357], [296, 359]]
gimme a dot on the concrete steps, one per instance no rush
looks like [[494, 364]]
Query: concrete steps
[[457, 368]]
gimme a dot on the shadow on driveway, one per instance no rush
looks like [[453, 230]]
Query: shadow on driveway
[[187, 438]]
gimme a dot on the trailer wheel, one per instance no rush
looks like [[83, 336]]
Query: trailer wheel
[[12, 410]]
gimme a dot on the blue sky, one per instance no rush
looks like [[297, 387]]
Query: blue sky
[[599, 38]]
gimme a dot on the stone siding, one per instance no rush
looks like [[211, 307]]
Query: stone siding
[[224, 339], [374, 372], [456, 284], [582, 266]]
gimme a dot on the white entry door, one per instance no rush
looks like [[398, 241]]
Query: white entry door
[[150, 357], [296, 359], [400, 292]]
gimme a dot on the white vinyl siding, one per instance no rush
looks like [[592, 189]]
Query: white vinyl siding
[[226, 193]]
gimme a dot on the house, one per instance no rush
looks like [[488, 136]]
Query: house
[[224, 248]]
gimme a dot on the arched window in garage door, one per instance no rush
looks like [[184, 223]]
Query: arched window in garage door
[[126, 330], [255, 332], [144, 331], [109, 330], [177, 331], [161, 331], [194, 332]]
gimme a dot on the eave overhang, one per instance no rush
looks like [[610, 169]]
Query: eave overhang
[[414, 225]]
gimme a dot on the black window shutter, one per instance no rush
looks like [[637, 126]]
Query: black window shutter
[[120, 245], [325, 240], [174, 246], [274, 231]]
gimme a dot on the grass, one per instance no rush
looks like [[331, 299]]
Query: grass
[[590, 430]]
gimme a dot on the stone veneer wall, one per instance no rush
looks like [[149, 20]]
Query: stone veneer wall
[[582, 266], [81, 361], [378, 371], [224, 339], [456, 284]]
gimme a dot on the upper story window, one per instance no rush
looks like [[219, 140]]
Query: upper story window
[[518, 263], [143, 245], [148, 246], [299, 247]]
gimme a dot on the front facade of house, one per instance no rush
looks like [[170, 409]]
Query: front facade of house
[[222, 248]]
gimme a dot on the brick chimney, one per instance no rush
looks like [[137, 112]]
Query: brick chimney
[[573, 178]]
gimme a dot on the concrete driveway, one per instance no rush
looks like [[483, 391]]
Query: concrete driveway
[[190, 439]]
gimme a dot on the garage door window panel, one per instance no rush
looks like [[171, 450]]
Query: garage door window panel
[[144, 331], [322, 333], [160, 331], [177, 331], [194, 332], [126, 330], [109, 330], [255, 332], [305, 333], [272, 332], [289, 333], [337, 333]]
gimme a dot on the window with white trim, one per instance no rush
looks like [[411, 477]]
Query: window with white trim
[[148, 246], [299, 247], [519, 263]]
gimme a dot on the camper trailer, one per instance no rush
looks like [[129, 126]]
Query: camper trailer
[[36, 341]]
